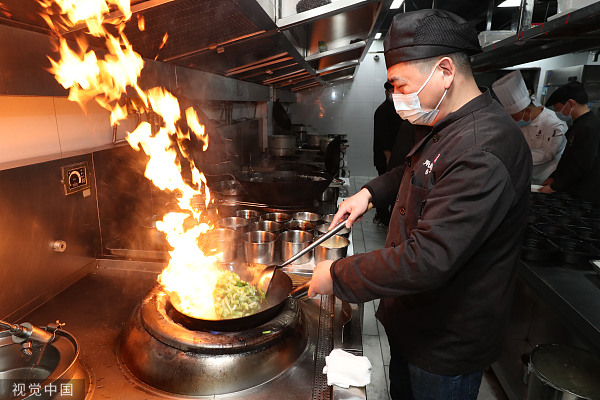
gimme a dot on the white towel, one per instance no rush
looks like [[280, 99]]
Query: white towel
[[344, 369]]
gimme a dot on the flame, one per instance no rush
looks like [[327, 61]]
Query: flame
[[190, 275]]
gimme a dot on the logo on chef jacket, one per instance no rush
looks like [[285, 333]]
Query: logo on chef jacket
[[429, 165]]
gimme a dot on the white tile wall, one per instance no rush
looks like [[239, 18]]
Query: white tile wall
[[348, 108]]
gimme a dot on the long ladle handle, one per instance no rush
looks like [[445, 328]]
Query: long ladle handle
[[314, 244]]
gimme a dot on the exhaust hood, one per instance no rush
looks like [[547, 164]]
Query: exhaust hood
[[260, 41]]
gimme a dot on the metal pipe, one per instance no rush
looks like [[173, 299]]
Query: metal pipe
[[490, 13]]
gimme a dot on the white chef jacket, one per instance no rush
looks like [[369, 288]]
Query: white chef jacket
[[545, 136]]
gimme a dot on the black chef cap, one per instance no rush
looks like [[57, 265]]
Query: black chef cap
[[428, 33], [388, 86], [572, 90]]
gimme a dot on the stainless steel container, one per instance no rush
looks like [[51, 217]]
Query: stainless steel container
[[313, 140], [333, 248], [306, 216], [295, 225], [330, 194], [559, 372], [277, 217], [268, 226], [293, 242], [259, 247], [222, 240], [323, 228], [327, 218], [282, 145], [250, 215], [236, 223]]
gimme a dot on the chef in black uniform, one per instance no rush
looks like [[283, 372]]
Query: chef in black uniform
[[578, 171], [386, 124], [446, 275]]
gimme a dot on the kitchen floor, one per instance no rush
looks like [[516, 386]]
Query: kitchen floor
[[368, 236]]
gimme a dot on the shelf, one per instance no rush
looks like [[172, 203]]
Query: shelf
[[572, 32]]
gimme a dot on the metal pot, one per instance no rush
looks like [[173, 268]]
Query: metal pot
[[333, 248], [292, 242], [259, 247], [330, 194], [559, 372], [313, 140], [222, 240], [282, 145], [323, 228]]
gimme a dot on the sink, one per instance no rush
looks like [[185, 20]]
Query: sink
[[49, 366]]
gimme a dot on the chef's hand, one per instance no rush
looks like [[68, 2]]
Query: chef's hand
[[548, 182], [546, 189], [321, 279], [352, 208]]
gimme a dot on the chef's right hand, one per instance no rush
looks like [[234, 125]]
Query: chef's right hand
[[352, 208]]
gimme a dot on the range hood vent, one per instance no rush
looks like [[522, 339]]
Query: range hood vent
[[259, 41]]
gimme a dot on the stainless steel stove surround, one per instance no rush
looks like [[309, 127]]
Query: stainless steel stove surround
[[97, 308]]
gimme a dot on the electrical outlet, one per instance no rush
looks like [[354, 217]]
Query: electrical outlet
[[75, 177]]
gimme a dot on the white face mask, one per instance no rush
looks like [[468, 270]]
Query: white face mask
[[564, 117], [408, 106]]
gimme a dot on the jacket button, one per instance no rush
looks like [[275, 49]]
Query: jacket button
[[402, 210], [435, 138], [393, 244], [408, 163], [412, 173]]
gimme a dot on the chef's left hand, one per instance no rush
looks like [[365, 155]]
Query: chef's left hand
[[321, 279], [546, 189]]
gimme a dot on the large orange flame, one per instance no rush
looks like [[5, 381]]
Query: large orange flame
[[190, 275]]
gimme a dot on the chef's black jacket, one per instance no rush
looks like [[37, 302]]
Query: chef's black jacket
[[386, 123], [447, 272], [578, 171]]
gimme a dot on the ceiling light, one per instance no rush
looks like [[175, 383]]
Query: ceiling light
[[378, 35], [510, 3], [396, 4]]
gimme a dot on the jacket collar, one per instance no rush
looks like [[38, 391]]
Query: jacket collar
[[479, 102]]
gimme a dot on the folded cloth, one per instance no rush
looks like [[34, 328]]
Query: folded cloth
[[344, 369]]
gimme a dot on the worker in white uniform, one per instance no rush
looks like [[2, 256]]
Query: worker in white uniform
[[543, 130]]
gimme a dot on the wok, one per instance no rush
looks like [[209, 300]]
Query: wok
[[284, 188], [281, 289]]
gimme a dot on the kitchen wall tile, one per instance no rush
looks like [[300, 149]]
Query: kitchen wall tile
[[27, 128], [79, 129], [357, 126], [359, 94], [358, 110]]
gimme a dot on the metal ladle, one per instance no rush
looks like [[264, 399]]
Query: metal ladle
[[265, 279]]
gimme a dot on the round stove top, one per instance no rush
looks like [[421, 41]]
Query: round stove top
[[159, 349]]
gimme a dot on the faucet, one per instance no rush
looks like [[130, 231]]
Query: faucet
[[26, 334]]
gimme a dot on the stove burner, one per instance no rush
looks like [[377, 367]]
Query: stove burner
[[169, 357]]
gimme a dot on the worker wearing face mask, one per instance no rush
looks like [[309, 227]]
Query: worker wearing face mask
[[578, 171], [543, 130], [447, 273]]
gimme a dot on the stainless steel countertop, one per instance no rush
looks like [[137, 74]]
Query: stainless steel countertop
[[96, 308]]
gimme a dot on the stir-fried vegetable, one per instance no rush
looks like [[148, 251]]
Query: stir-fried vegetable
[[235, 298]]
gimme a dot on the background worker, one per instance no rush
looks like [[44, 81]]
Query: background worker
[[578, 171], [543, 130], [386, 123]]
